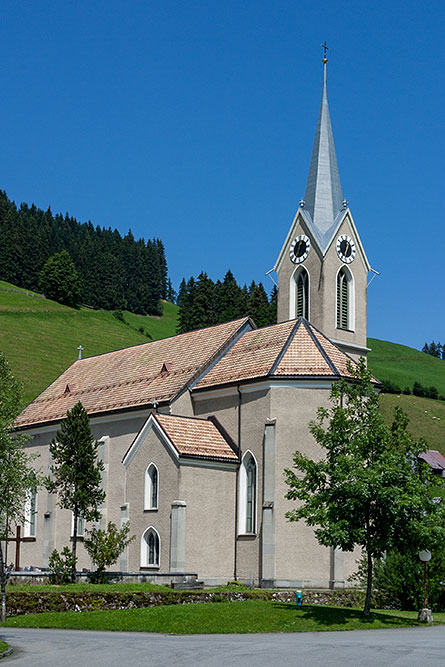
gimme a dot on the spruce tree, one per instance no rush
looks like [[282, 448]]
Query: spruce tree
[[76, 471]]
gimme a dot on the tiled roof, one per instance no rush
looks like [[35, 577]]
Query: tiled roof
[[132, 377], [289, 349], [195, 437], [434, 458]]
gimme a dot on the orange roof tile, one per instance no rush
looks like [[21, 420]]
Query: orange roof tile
[[192, 436], [131, 377], [294, 348]]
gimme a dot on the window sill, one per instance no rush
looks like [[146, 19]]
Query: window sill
[[343, 329], [151, 509], [149, 567], [247, 534]]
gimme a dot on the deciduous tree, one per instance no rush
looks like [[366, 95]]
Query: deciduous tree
[[17, 477], [369, 489]]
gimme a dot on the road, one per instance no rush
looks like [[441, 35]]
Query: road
[[407, 647]]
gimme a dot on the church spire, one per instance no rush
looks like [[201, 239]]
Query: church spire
[[323, 197]]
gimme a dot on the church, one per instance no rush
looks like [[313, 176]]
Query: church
[[196, 430]]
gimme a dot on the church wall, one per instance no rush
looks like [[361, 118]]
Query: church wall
[[182, 405], [152, 450], [328, 303], [210, 521], [255, 410], [299, 557], [225, 408], [54, 530]]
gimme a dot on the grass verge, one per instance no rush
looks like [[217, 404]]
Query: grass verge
[[223, 618], [3, 647]]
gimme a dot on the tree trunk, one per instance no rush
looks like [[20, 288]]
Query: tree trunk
[[368, 585], [74, 547], [3, 583]]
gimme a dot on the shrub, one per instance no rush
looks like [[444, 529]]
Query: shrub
[[61, 566], [118, 314], [105, 547], [407, 391], [398, 579], [389, 387]]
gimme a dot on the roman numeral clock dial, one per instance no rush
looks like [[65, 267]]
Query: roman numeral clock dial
[[346, 249], [299, 249]]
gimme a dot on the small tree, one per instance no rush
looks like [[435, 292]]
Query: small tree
[[105, 547], [60, 281], [76, 472], [369, 490], [17, 477]]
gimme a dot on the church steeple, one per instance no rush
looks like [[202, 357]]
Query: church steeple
[[323, 198]]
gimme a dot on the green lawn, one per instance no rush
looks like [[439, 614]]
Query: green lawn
[[85, 588], [3, 647], [40, 337], [222, 618]]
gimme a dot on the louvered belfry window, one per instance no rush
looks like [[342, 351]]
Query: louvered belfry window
[[302, 295], [342, 300]]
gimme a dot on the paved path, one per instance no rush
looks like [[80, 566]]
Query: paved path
[[408, 647]]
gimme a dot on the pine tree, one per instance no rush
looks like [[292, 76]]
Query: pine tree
[[76, 471]]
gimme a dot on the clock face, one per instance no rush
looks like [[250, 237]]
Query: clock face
[[299, 249], [346, 248]]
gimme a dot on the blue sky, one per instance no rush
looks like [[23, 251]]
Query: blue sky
[[194, 121]]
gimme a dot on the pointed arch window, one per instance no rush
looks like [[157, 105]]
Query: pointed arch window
[[30, 523], [302, 295], [299, 301], [344, 299], [248, 494], [151, 490], [150, 548]]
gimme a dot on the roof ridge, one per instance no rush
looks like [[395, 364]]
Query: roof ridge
[[285, 347], [321, 349]]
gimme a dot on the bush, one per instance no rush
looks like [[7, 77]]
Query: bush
[[61, 566], [407, 391], [118, 314], [398, 579], [389, 387], [104, 548]]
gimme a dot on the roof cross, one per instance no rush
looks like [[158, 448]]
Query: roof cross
[[325, 48], [80, 348]]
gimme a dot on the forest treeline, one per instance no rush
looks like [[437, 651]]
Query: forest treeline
[[203, 302], [117, 272]]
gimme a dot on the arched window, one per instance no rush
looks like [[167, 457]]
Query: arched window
[[150, 548], [151, 488], [299, 301], [344, 299], [247, 499], [29, 529], [302, 295]]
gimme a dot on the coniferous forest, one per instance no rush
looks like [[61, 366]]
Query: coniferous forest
[[116, 272], [119, 272], [203, 302]]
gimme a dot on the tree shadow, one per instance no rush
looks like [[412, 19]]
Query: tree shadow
[[325, 616]]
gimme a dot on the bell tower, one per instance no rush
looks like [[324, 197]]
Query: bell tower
[[322, 267]]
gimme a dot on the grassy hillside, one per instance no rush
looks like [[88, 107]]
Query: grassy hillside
[[40, 337], [426, 417], [404, 365]]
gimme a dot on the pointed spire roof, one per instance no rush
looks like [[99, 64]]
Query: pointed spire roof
[[323, 197]]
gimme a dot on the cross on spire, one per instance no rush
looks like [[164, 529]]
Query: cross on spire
[[325, 48]]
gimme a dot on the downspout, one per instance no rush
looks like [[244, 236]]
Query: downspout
[[237, 486]]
